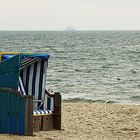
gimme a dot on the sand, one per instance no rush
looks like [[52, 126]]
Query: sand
[[92, 121]]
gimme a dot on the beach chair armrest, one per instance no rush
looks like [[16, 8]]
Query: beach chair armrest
[[48, 93], [56, 108]]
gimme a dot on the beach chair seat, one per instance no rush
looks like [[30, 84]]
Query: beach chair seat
[[23, 78], [41, 112]]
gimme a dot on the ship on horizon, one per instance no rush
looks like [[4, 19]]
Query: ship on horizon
[[70, 29]]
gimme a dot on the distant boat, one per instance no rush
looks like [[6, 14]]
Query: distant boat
[[70, 29]]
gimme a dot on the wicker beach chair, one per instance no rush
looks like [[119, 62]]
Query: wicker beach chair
[[26, 105]]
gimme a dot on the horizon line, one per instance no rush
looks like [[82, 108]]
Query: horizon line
[[70, 30]]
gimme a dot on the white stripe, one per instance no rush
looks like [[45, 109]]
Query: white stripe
[[18, 88], [37, 112], [37, 82], [45, 102], [52, 108], [41, 111], [30, 80], [49, 111], [24, 76], [46, 112], [44, 80], [34, 113], [22, 87]]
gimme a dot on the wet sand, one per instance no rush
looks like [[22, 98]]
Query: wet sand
[[92, 121]]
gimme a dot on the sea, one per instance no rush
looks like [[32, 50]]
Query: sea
[[92, 66]]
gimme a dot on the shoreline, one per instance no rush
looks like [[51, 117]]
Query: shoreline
[[92, 121], [99, 102]]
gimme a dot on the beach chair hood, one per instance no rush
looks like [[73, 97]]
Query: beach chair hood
[[11, 66]]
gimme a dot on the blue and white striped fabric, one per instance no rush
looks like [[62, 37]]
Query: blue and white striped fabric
[[41, 112], [32, 77], [48, 104], [32, 82]]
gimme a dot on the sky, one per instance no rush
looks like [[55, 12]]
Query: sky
[[79, 14]]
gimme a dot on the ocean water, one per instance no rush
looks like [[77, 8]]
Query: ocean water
[[97, 66]]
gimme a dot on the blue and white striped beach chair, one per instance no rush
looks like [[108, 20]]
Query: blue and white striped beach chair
[[42, 110]]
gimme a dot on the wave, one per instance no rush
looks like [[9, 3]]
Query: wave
[[88, 100], [136, 98]]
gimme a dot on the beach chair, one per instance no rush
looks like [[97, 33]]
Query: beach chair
[[26, 106]]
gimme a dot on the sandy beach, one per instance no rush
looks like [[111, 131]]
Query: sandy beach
[[92, 121]]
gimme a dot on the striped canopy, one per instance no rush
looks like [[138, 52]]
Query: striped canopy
[[33, 74]]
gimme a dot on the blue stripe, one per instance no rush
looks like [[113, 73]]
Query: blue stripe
[[21, 75], [34, 79], [27, 80], [48, 103], [20, 89], [41, 81]]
